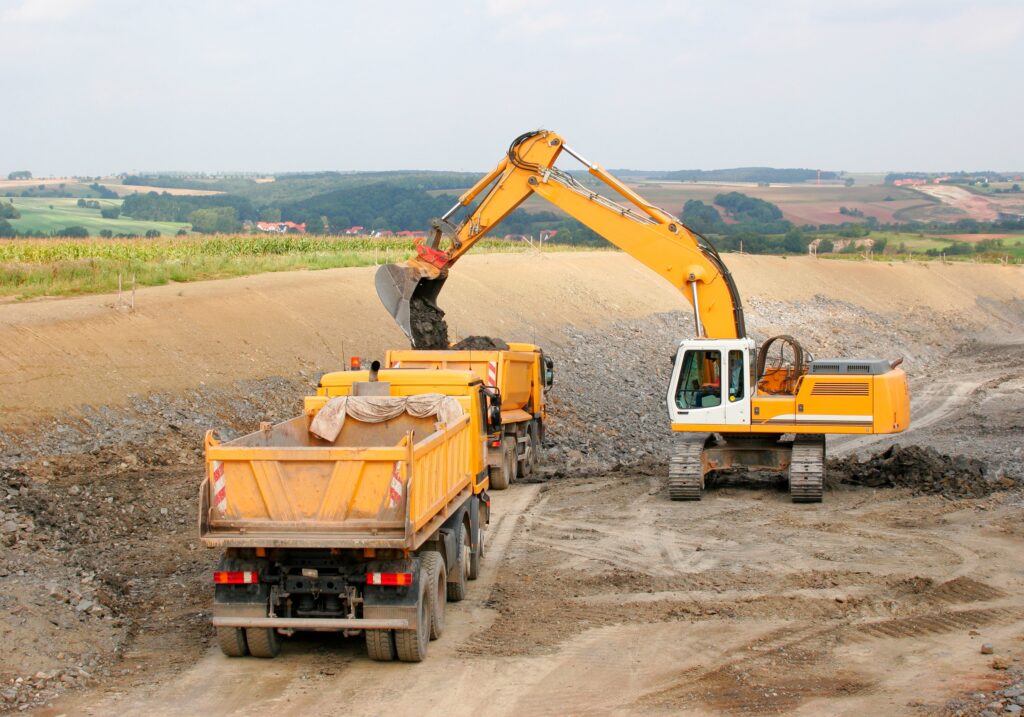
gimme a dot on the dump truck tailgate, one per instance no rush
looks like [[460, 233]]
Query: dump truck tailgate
[[282, 487]]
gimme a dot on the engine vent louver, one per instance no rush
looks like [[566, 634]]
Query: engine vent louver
[[835, 388], [847, 367]]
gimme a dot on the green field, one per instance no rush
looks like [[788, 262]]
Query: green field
[[50, 215], [59, 267]]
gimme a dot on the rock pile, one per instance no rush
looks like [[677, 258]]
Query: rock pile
[[920, 468]]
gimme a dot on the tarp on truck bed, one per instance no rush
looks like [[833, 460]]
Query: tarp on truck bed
[[376, 409]]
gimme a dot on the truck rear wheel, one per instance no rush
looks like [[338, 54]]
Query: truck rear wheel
[[437, 595], [263, 641], [380, 645], [232, 641], [526, 466], [457, 589], [503, 475], [476, 554], [411, 645]]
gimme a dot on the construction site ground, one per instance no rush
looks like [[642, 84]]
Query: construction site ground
[[599, 595]]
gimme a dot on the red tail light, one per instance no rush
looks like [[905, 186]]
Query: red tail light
[[247, 577], [496, 443], [389, 578]]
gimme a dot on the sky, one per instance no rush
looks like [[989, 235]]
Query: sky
[[105, 86]]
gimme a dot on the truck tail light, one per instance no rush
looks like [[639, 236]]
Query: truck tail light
[[389, 578], [496, 443], [247, 577]]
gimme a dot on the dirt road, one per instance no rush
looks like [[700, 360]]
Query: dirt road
[[599, 595]]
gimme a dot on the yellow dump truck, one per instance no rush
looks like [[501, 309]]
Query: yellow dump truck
[[520, 377], [364, 514]]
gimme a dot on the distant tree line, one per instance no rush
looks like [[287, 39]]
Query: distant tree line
[[736, 174], [20, 174], [750, 214], [8, 211]]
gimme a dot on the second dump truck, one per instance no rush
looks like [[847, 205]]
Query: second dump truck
[[364, 514], [519, 378]]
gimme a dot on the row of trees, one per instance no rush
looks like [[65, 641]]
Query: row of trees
[[167, 208], [8, 211]]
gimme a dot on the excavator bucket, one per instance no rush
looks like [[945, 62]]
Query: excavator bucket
[[409, 292]]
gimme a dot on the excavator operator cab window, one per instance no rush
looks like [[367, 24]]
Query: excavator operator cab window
[[736, 388], [700, 380]]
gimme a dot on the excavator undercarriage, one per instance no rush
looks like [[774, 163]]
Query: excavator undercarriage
[[696, 457]]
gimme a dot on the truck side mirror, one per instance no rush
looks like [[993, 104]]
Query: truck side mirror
[[494, 418], [549, 372]]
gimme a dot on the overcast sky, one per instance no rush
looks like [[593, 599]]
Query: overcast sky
[[98, 86]]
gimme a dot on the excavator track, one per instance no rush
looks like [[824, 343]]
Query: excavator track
[[686, 468], [807, 469]]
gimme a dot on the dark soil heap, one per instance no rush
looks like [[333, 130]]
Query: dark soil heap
[[921, 468], [481, 343]]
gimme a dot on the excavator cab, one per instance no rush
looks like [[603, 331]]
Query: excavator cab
[[710, 382]]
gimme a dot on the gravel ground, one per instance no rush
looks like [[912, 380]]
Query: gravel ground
[[99, 557]]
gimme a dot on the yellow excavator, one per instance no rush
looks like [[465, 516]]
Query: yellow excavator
[[732, 406]]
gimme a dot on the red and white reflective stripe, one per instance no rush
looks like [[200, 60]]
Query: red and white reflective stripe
[[220, 487], [239, 577], [389, 578], [492, 373], [398, 364], [395, 487]]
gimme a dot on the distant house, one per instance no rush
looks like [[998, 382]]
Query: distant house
[[412, 235], [354, 230], [281, 227]]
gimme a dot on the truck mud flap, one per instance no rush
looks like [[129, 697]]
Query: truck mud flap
[[390, 602], [257, 593]]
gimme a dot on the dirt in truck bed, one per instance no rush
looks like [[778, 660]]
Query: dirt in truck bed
[[599, 595], [480, 343]]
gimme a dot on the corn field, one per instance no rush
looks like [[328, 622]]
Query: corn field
[[55, 267]]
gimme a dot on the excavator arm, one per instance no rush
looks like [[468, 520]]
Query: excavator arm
[[649, 234]]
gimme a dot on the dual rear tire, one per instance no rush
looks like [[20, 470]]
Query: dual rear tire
[[258, 641], [411, 645]]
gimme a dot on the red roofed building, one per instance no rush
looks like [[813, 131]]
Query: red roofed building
[[281, 227], [354, 230]]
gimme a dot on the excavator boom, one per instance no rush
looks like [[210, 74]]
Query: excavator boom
[[659, 240]]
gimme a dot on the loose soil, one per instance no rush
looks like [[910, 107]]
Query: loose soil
[[429, 329], [599, 595], [480, 343]]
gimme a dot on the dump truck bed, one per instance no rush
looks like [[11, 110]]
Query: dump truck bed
[[378, 485], [515, 372]]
